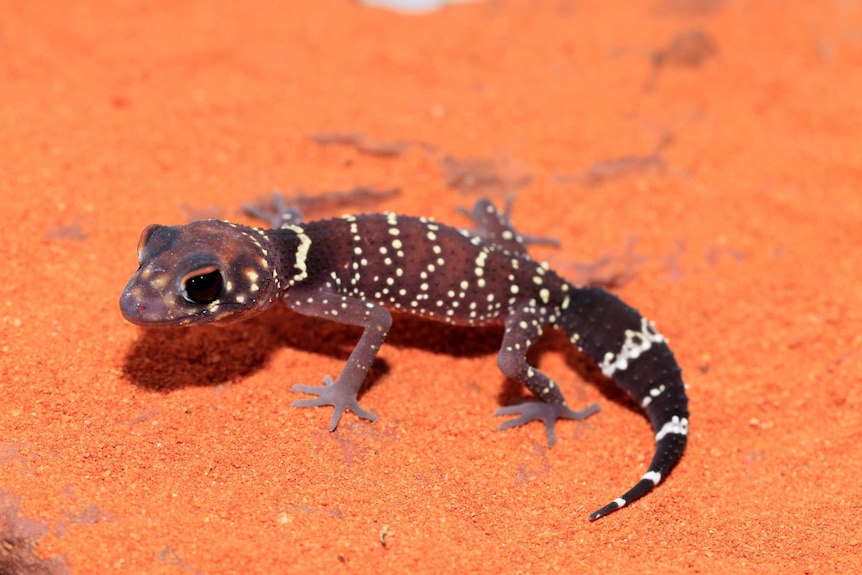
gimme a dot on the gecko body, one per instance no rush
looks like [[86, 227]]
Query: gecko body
[[355, 269]]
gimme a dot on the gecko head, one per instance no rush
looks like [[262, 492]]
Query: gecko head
[[202, 272]]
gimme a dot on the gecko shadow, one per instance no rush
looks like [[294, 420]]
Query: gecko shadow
[[169, 359], [166, 359], [460, 341]]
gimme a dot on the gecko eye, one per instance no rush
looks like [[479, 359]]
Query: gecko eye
[[203, 285]]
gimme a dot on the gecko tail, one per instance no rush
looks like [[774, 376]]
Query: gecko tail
[[670, 444], [635, 356]]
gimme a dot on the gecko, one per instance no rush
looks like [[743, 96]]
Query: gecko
[[357, 269]]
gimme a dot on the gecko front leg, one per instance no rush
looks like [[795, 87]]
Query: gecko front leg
[[278, 216], [374, 319]]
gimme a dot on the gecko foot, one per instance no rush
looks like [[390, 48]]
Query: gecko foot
[[336, 394], [546, 412], [495, 227], [527, 239]]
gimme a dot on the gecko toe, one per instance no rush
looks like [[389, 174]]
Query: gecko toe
[[311, 389]]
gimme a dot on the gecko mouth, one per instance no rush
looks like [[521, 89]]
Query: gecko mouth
[[141, 310], [157, 311]]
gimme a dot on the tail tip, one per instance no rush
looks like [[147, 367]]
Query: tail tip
[[618, 503]]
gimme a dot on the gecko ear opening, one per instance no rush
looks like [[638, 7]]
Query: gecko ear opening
[[203, 285]]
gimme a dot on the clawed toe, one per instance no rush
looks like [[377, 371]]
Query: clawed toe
[[540, 241], [312, 389]]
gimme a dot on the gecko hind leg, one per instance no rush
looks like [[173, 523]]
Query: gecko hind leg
[[495, 227], [521, 329]]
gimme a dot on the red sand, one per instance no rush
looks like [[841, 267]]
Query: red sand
[[130, 452]]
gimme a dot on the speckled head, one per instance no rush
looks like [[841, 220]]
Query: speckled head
[[205, 271]]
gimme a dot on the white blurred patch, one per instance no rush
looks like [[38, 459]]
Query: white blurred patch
[[413, 6]]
